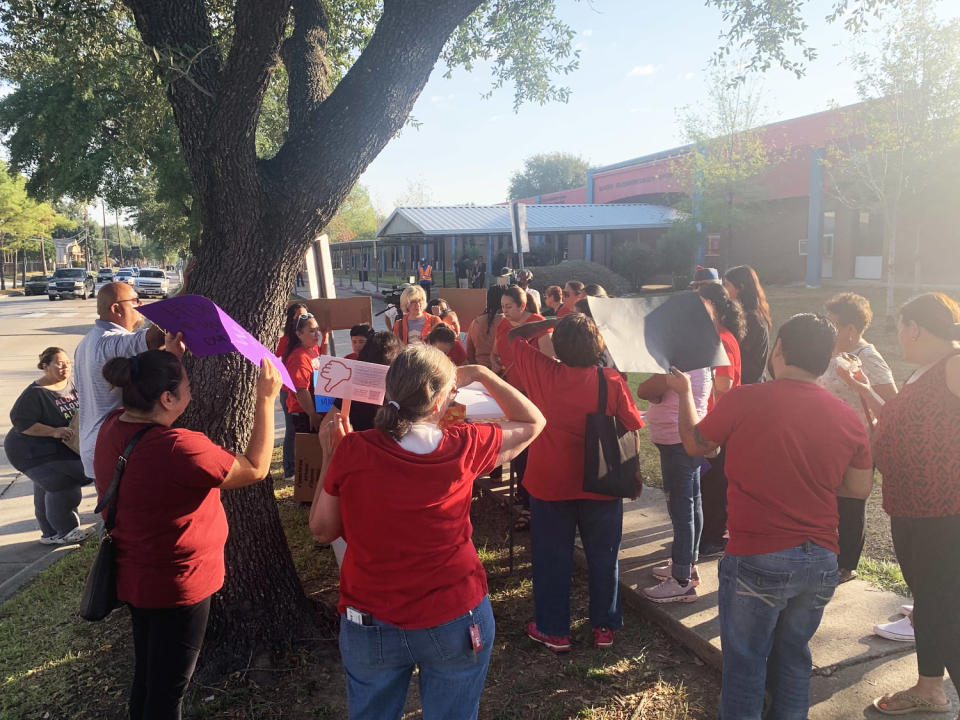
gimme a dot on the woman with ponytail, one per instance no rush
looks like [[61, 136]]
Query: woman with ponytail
[[916, 450], [413, 592], [170, 526], [730, 325]]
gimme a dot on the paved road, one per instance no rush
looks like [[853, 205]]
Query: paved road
[[27, 326]]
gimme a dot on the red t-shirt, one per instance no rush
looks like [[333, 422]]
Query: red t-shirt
[[410, 559], [732, 348], [505, 351], [788, 443], [566, 395], [457, 355], [285, 341], [352, 356], [170, 527], [563, 310], [300, 364]]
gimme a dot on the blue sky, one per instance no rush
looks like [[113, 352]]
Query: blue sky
[[640, 60]]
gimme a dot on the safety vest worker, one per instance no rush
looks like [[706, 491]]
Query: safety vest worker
[[426, 273]]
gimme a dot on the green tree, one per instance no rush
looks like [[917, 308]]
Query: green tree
[[677, 249], [547, 173], [88, 111], [906, 136], [729, 156], [636, 262], [356, 218]]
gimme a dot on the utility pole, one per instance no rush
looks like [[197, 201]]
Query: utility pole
[[106, 248], [119, 239]]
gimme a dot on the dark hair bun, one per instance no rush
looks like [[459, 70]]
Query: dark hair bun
[[116, 371]]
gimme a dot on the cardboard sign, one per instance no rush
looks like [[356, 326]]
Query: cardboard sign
[[650, 334], [208, 330], [478, 404], [341, 313], [467, 303], [350, 379], [308, 455]]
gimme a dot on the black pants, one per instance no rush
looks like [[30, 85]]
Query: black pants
[[301, 422], [713, 497], [926, 549], [520, 465], [853, 518], [166, 643]]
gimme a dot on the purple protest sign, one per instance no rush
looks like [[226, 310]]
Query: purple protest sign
[[208, 330]]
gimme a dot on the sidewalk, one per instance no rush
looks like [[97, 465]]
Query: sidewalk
[[852, 666]]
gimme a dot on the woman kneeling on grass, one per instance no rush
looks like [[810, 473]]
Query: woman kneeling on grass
[[170, 525], [413, 592]]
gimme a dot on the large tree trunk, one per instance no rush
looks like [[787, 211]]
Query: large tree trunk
[[3, 265], [258, 218]]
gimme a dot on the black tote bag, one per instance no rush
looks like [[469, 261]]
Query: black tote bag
[[610, 458], [99, 596]]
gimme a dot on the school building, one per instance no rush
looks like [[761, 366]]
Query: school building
[[802, 230]]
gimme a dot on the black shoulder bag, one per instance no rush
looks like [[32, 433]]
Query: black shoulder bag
[[610, 454], [100, 591]]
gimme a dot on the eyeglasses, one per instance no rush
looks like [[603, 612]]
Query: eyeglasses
[[302, 319], [135, 300]]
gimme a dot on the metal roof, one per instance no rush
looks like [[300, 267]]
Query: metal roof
[[495, 219]]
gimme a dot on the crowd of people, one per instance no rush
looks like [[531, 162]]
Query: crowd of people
[[766, 461]]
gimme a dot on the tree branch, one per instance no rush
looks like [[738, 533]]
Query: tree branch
[[307, 67], [372, 102], [258, 31], [181, 37]]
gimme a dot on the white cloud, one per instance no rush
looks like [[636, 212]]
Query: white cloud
[[638, 109], [494, 118], [640, 70], [689, 76], [435, 98], [587, 33]]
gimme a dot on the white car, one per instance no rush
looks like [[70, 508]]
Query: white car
[[152, 281], [126, 275]]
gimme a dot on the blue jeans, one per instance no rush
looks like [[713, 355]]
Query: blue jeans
[[289, 439], [770, 607], [681, 483], [379, 661], [553, 524]]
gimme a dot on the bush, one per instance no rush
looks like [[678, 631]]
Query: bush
[[678, 247], [637, 262], [585, 272]]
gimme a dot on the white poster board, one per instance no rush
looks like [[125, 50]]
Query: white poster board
[[350, 379]]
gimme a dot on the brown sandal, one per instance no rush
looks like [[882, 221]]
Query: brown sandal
[[916, 704]]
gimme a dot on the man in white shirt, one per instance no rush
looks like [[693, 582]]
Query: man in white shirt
[[115, 334]]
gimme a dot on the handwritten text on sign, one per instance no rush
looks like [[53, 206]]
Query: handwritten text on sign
[[350, 379], [208, 330]]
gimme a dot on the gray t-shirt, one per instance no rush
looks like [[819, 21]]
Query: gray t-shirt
[[106, 341], [874, 367]]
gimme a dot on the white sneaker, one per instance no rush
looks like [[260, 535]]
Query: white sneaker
[[671, 591], [76, 535], [48, 539], [900, 630], [662, 572]]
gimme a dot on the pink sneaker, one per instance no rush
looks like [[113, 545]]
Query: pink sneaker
[[662, 572], [557, 643], [602, 637], [670, 591]]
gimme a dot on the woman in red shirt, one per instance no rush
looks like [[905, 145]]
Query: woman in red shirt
[[170, 525], [294, 311], [566, 392], [916, 449], [513, 304], [731, 325], [413, 592], [482, 332], [301, 359]]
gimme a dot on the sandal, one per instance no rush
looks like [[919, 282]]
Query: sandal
[[916, 704], [522, 523]]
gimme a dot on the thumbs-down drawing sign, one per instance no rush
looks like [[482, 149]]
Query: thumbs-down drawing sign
[[350, 379]]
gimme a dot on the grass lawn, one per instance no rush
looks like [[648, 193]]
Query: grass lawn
[[55, 665]]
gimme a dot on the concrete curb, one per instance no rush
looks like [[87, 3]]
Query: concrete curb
[[12, 585]]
